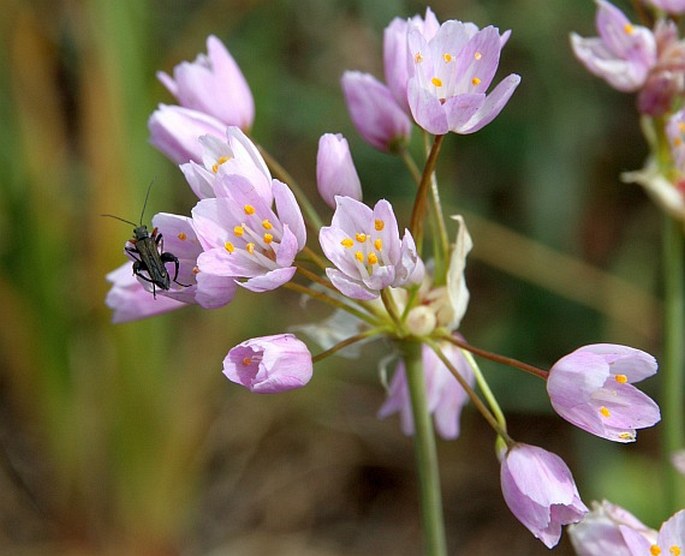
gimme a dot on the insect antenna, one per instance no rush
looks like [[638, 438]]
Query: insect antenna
[[147, 195], [120, 218]]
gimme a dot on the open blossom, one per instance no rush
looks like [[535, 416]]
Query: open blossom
[[175, 132], [602, 531], [623, 54], [374, 112], [670, 540], [269, 364], [592, 389], [365, 246], [243, 237], [540, 491], [335, 171], [452, 72], [446, 397], [213, 84], [234, 154]]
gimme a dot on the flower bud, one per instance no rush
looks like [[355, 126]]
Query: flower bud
[[335, 171]]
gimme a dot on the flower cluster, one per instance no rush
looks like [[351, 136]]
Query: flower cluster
[[249, 228]]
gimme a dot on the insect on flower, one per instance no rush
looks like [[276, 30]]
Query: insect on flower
[[147, 249]]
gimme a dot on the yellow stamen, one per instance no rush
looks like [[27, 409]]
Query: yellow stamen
[[418, 58], [621, 379], [195, 270], [249, 209], [435, 81], [347, 242], [360, 237], [628, 29], [182, 236], [359, 256], [654, 550], [678, 141], [378, 224], [249, 248], [626, 436], [477, 55], [247, 361], [378, 244], [675, 550], [604, 412], [221, 160], [475, 81], [447, 57], [229, 247], [238, 231], [372, 258], [266, 224], [268, 238]]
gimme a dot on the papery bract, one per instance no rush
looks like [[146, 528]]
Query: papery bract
[[374, 112], [269, 364], [452, 72], [335, 171], [446, 397], [244, 238], [592, 389], [622, 55], [213, 84], [175, 131], [540, 491], [365, 246]]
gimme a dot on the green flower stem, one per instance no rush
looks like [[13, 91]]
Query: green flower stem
[[418, 215], [673, 364], [348, 342], [442, 250], [485, 389], [426, 453], [321, 296]]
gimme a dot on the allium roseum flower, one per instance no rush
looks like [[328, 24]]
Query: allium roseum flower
[[269, 364], [374, 112], [601, 532], [213, 84], [622, 55], [675, 131], [452, 71], [592, 389], [540, 491], [233, 155], [446, 397], [174, 131], [244, 238], [335, 171], [670, 539], [670, 6], [365, 246]]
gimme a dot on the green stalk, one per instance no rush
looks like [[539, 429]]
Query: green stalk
[[672, 366], [426, 453]]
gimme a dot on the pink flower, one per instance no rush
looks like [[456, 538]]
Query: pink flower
[[601, 532], [243, 237], [540, 491], [452, 72], [592, 389], [365, 246], [269, 364], [622, 55], [335, 171], [670, 6], [375, 114], [213, 84], [670, 539], [446, 397], [174, 131]]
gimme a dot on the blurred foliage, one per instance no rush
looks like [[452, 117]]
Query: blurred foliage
[[127, 439]]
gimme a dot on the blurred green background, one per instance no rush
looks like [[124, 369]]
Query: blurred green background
[[128, 440]]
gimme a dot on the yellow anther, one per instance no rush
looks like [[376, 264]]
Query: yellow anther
[[360, 237], [247, 361], [604, 411], [447, 57], [238, 231], [675, 550], [229, 247], [628, 29], [182, 236], [249, 248], [378, 224], [359, 256], [621, 379], [678, 141], [266, 224], [378, 244], [418, 58], [219, 161], [475, 81], [195, 270], [249, 209], [626, 436], [654, 550], [268, 238], [347, 242], [477, 55], [437, 82], [372, 258]]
